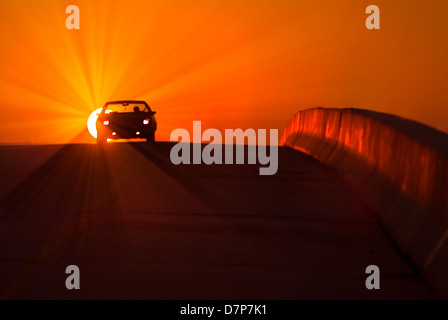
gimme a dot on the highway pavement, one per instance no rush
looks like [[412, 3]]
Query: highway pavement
[[140, 227]]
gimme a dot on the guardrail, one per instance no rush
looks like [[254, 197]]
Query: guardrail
[[399, 167]]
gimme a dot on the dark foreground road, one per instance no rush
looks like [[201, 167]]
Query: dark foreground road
[[139, 227]]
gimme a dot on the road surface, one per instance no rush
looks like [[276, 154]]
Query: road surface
[[139, 227]]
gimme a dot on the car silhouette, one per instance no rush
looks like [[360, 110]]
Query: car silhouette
[[126, 119]]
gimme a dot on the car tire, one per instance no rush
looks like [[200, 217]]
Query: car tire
[[101, 139], [151, 137]]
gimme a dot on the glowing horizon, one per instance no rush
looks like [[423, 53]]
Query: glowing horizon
[[230, 64]]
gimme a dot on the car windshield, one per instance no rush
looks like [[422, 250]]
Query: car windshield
[[127, 107]]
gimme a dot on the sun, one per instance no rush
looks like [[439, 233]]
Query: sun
[[91, 122]]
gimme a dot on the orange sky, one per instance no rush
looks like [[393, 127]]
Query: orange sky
[[231, 64]]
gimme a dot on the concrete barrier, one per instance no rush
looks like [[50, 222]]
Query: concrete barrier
[[399, 167]]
